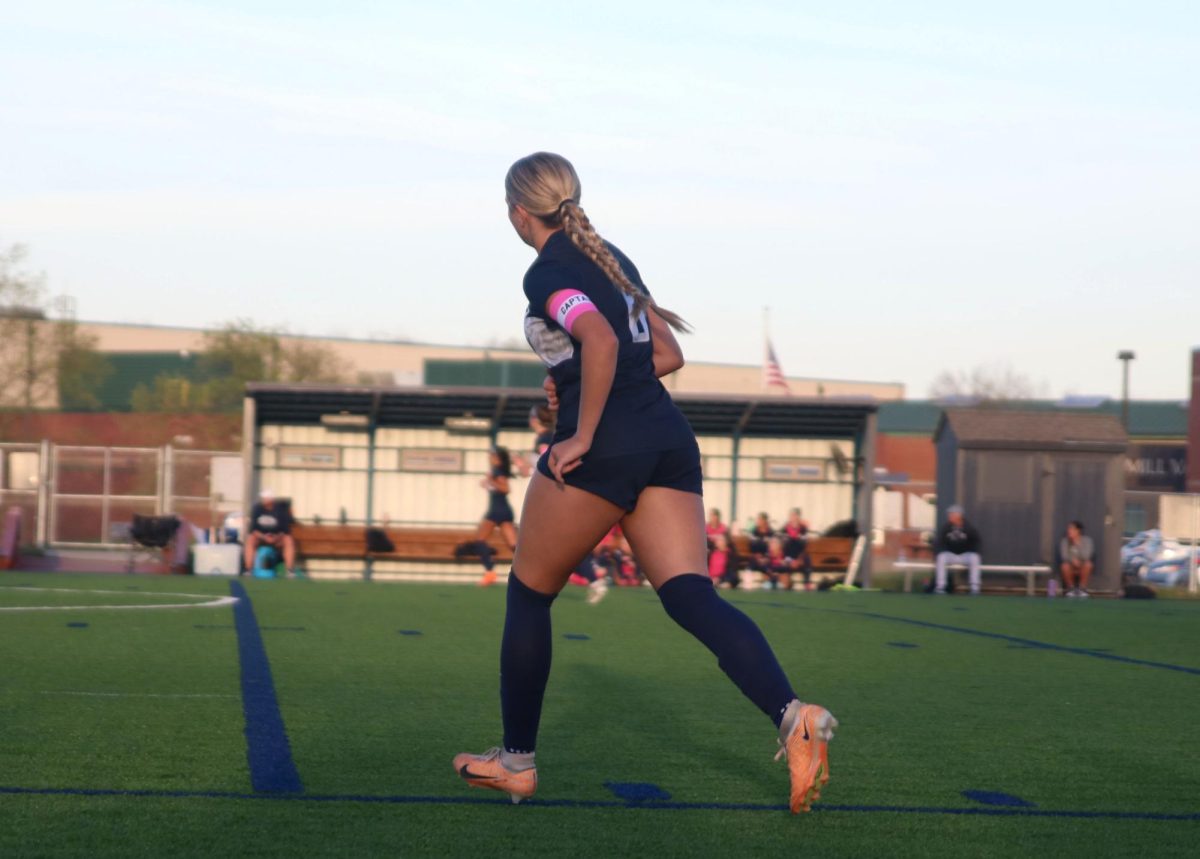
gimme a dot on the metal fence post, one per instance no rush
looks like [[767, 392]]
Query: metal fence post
[[106, 496], [43, 494], [249, 460], [864, 489], [373, 422], [168, 479], [1194, 578]]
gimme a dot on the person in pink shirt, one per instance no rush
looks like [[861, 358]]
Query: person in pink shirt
[[722, 562], [715, 526]]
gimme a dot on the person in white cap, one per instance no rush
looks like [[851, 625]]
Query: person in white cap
[[270, 525], [957, 543]]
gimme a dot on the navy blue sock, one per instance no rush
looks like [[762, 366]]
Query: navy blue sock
[[524, 664], [736, 641]]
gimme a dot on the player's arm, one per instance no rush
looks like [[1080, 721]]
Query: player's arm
[[500, 484], [668, 356], [575, 312]]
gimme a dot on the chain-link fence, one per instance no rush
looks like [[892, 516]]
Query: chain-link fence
[[83, 496]]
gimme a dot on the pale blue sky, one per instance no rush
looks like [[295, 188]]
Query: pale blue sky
[[910, 187]]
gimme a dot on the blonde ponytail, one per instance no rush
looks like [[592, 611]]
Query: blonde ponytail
[[547, 186]]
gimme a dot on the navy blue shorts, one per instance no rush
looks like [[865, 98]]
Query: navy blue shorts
[[499, 512], [621, 479]]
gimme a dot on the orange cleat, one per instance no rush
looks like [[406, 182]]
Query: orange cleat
[[487, 770], [807, 753], [489, 578]]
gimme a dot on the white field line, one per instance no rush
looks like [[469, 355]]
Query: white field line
[[134, 694], [217, 602]]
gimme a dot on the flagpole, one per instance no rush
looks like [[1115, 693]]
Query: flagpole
[[772, 371], [766, 345]]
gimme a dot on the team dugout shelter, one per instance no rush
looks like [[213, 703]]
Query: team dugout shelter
[[407, 457]]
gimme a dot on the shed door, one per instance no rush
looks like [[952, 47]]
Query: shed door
[[1080, 493], [1000, 496]]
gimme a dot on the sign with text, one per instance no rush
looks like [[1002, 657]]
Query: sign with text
[[1156, 466], [313, 456], [794, 470], [431, 460]]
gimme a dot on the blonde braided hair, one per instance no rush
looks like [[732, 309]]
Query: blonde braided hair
[[547, 186]]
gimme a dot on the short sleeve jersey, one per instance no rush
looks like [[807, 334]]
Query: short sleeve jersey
[[495, 495], [273, 521], [639, 415]]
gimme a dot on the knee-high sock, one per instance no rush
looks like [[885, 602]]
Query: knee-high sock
[[736, 641], [524, 664]]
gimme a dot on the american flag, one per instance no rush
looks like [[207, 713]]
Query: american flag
[[772, 372]]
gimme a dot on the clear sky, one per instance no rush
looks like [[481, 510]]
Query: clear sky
[[910, 187]]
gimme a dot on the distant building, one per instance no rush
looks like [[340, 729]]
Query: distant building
[[1023, 475], [1155, 462], [138, 353]]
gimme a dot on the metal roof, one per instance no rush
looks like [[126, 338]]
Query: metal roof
[[508, 408], [1147, 418], [995, 428]]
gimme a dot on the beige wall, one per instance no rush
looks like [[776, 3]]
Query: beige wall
[[457, 499], [404, 362]]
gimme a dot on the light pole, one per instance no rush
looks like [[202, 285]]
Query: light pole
[[1125, 356]]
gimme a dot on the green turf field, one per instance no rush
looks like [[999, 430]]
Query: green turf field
[[123, 730]]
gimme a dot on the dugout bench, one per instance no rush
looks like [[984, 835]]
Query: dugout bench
[[829, 554], [1030, 571], [411, 543]]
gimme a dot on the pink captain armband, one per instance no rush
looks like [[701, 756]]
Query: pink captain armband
[[567, 305]]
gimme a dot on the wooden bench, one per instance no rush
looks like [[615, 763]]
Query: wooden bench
[[412, 544], [1030, 571], [829, 554], [437, 544], [330, 541]]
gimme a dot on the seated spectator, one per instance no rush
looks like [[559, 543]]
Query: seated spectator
[[612, 559], [776, 565], [760, 533], [795, 545], [957, 543], [715, 526], [626, 570], [1075, 553], [723, 561], [270, 525]]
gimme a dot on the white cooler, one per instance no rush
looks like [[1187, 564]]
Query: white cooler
[[216, 559]]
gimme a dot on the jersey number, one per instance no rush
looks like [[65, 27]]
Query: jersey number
[[639, 326]]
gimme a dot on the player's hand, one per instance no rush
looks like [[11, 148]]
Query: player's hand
[[551, 393], [566, 456]]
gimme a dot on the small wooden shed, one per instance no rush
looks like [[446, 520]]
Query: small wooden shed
[[1021, 476]]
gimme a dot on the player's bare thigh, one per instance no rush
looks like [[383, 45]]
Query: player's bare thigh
[[666, 532], [559, 526]]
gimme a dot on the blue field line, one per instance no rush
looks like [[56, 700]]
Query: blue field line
[[268, 751], [1000, 636], [650, 805]]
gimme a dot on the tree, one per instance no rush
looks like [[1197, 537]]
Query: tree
[[985, 384], [237, 353], [171, 394], [44, 360]]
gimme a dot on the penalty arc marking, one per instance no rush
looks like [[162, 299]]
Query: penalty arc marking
[[211, 602]]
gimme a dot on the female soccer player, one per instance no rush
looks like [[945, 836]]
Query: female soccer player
[[499, 514], [622, 452]]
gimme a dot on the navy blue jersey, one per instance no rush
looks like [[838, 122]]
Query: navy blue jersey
[[277, 520], [495, 495], [639, 414]]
